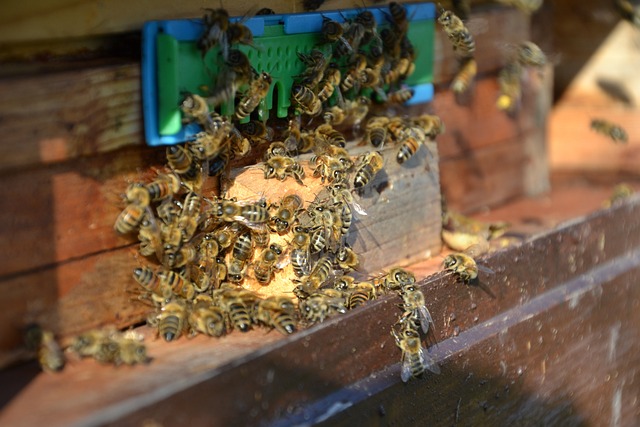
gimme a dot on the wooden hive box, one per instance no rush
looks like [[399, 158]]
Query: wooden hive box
[[73, 152]]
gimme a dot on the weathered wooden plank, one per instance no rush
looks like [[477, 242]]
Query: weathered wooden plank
[[572, 287], [67, 211]]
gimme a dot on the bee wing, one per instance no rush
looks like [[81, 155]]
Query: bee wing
[[428, 362], [359, 209], [478, 249], [425, 318], [485, 269], [405, 369]]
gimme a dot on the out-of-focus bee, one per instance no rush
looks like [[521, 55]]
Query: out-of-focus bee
[[237, 304], [332, 32], [400, 96], [179, 159], [526, 6], [322, 304], [462, 8], [276, 312], [256, 131], [399, 17], [351, 79], [265, 11], [305, 100], [195, 107], [415, 360], [280, 167], [42, 341], [130, 349], [300, 251], [164, 186], [464, 77], [415, 308], [376, 131], [219, 163], [171, 321], [96, 343], [619, 194], [150, 237], [240, 67], [615, 132], [370, 164], [130, 218], [206, 318], [311, 5], [237, 32], [178, 284], [332, 136], [139, 194], [334, 115], [207, 145], [257, 91], [329, 83], [286, 213], [530, 55], [216, 24], [628, 10], [510, 87], [459, 36], [430, 124], [357, 110], [359, 293], [266, 263]]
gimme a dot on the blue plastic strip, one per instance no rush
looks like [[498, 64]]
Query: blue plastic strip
[[422, 93]]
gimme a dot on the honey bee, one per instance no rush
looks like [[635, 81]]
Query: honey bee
[[510, 87], [256, 131], [305, 100], [370, 164], [43, 342], [286, 213], [316, 64], [322, 304], [399, 17], [164, 186], [351, 78], [95, 343], [281, 167], [195, 107], [628, 10], [397, 278], [329, 168], [415, 308], [410, 142], [257, 91], [171, 321], [137, 193], [300, 252], [216, 24], [150, 237], [430, 125], [615, 132], [332, 31], [347, 259], [376, 131], [177, 283], [130, 218], [459, 36], [179, 159], [415, 360], [530, 55], [130, 349], [266, 262], [236, 270], [243, 247], [237, 304], [526, 6], [332, 136], [207, 145], [464, 77], [620, 193], [276, 312], [329, 83], [219, 163], [400, 96], [334, 115], [237, 32], [357, 110], [320, 273], [251, 214], [206, 318], [359, 293], [149, 280], [465, 268]]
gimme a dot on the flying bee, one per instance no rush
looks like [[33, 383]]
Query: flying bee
[[305, 100], [206, 318], [459, 36], [43, 342], [370, 164], [526, 6], [266, 262], [276, 312], [237, 32], [376, 131], [359, 293], [300, 252], [414, 305], [286, 213], [281, 167], [236, 304], [171, 321], [322, 304], [530, 55], [415, 359], [347, 259], [257, 91], [130, 218], [464, 77], [399, 17], [510, 87], [216, 24], [615, 132]]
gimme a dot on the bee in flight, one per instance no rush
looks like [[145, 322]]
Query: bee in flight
[[612, 130]]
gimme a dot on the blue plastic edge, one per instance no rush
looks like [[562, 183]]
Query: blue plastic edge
[[190, 29]]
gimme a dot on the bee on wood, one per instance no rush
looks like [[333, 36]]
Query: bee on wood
[[396, 279], [370, 164], [130, 218], [359, 293], [237, 304], [276, 312], [265, 264], [206, 318], [347, 260], [376, 131], [415, 360], [257, 92], [281, 167], [300, 251], [321, 273], [464, 266], [43, 342], [415, 308], [322, 304], [460, 37], [177, 283], [615, 132], [286, 214], [410, 141], [171, 321]]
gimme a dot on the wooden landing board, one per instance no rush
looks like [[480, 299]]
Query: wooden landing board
[[561, 294], [609, 88]]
